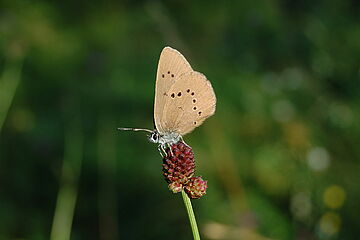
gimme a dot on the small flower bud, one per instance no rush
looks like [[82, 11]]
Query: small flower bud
[[196, 187]]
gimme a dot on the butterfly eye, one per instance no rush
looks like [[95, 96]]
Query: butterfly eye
[[154, 137]]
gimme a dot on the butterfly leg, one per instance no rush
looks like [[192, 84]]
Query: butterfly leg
[[169, 146], [182, 140], [161, 150]]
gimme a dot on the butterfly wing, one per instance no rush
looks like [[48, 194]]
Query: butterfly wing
[[189, 101], [171, 65]]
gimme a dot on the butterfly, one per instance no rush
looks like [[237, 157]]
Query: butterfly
[[184, 99]]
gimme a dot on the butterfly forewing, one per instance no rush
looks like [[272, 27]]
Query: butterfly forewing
[[171, 65], [189, 101]]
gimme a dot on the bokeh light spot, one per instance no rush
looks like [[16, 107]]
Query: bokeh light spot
[[318, 159], [334, 196], [330, 223], [301, 205]]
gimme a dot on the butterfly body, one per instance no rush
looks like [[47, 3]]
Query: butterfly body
[[184, 99], [165, 138]]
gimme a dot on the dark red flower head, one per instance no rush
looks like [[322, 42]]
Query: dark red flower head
[[178, 166], [179, 169]]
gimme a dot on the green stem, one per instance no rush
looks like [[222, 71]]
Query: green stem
[[9, 81], [191, 215], [69, 181]]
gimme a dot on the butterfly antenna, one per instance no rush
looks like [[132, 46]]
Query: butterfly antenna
[[135, 129]]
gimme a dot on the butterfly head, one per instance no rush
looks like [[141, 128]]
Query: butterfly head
[[164, 138], [154, 137]]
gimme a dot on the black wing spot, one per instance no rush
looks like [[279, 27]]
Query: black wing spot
[[173, 95], [172, 75], [168, 72], [192, 94], [199, 113], [194, 100], [188, 90], [179, 94], [195, 123], [162, 75], [194, 108]]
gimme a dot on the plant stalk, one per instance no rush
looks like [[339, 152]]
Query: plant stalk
[[191, 215]]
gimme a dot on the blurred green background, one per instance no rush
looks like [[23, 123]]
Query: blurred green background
[[281, 154]]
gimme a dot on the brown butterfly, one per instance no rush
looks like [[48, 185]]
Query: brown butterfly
[[184, 98]]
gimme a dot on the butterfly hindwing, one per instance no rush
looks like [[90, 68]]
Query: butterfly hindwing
[[189, 101]]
